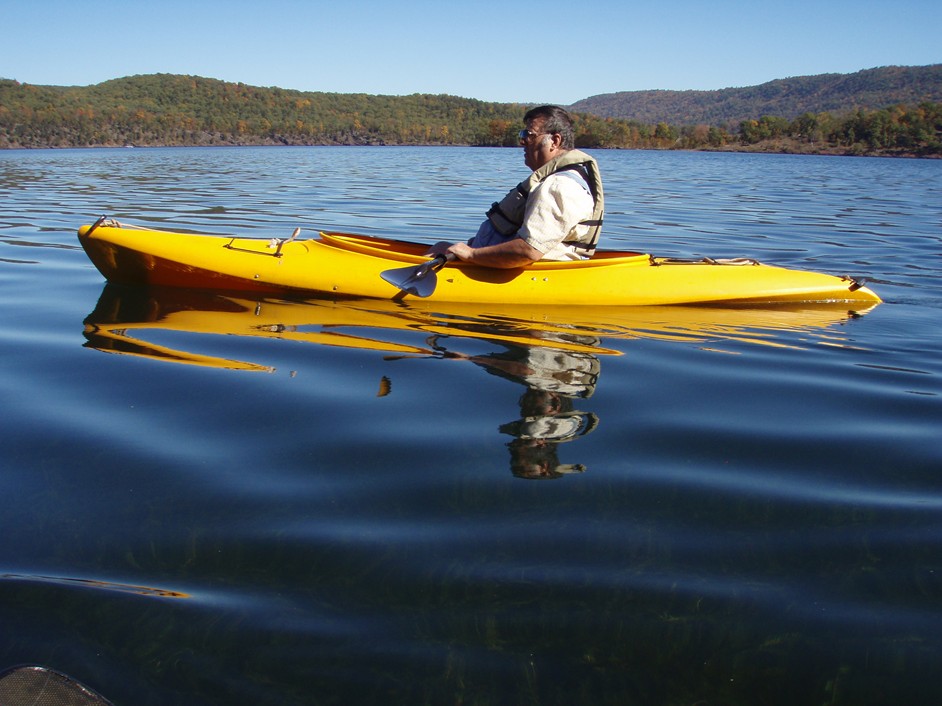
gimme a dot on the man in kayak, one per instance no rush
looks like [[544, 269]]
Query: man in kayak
[[555, 214]]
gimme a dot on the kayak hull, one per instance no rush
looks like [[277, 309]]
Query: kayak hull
[[345, 265]]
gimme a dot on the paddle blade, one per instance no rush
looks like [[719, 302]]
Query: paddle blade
[[418, 280]]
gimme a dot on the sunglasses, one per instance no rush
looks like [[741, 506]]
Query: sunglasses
[[527, 134]]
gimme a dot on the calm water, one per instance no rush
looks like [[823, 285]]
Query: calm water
[[215, 500]]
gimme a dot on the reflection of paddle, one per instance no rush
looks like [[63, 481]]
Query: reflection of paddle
[[419, 280], [29, 686]]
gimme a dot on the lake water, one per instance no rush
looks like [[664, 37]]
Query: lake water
[[224, 500]]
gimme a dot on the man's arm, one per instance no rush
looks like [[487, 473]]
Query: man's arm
[[515, 253], [509, 255]]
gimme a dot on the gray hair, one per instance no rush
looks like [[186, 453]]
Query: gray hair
[[555, 121]]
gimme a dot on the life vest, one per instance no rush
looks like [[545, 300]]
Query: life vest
[[506, 215]]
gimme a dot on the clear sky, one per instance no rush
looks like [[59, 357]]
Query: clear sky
[[493, 50]]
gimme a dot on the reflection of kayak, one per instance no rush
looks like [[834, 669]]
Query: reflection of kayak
[[125, 318], [342, 265]]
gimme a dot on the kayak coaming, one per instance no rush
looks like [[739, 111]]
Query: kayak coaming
[[347, 265], [414, 253]]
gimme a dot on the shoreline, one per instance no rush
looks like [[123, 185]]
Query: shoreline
[[766, 147]]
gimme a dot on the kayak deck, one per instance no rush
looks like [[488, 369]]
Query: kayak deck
[[347, 265]]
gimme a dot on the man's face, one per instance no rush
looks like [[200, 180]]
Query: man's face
[[538, 147]]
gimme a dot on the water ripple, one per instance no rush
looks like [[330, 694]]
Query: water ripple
[[751, 496]]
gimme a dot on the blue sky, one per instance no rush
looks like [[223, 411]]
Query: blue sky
[[528, 52]]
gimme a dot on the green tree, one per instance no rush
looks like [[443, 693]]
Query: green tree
[[665, 133]]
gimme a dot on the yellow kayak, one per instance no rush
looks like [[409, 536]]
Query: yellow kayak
[[345, 265]]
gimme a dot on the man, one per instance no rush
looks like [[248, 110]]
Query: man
[[556, 214]]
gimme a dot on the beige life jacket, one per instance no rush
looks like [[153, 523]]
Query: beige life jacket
[[507, 215]]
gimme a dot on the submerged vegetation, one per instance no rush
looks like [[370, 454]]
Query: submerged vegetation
[[172, 110]]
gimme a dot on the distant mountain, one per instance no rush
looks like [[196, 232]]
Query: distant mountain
[[786, 98]]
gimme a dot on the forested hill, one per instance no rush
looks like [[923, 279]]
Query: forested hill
[[169, 109], [785, 98], [174, 110]]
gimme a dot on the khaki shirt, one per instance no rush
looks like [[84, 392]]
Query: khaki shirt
[[553, 212]]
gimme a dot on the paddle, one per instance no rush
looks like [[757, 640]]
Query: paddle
[[419, 280], [41, 686]]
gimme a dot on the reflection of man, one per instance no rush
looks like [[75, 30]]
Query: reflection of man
[[549, 415], [556, 214], [548, 419], [554, 377], [538, 460]]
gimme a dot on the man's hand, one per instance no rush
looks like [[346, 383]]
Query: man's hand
[[440, 248]]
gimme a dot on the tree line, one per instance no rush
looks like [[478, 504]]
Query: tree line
[[897, 130], [171, 110]]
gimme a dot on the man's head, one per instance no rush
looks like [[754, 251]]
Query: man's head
[[548, 134]]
